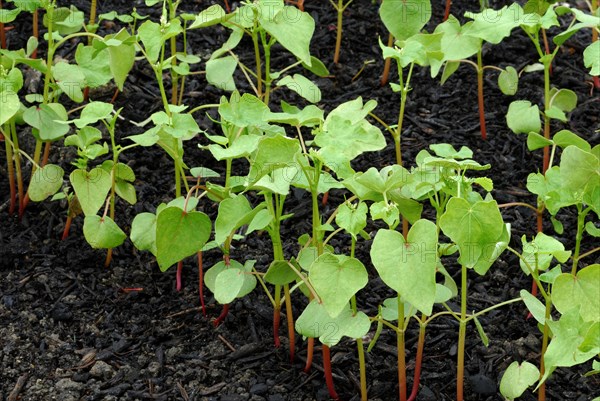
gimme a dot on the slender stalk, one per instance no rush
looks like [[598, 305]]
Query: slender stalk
[[17, 159], [2, 33], [93, 8], [462, 331], [545, 339], [578, 237], [277, 316], [447, 10], [201, 282], [257, 60], [400, 341], [67, 228], [594, 8], [328, 375], [546, 161], [178, 282], [388, 63], [35, 26], [418, 359], [290, 321], [11, 171], [340, 8], [546, 47], [480, 96], [310, 346]]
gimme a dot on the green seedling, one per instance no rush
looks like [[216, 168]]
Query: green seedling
[[411, 48], [94, 187], [458, 44], [267, 23], [573, 183], [175, 232], [94, 66], [340, 7], [345, 125]]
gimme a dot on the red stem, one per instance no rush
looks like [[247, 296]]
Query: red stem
[[385, 76], [418, 364], [67, 228], [546, 46], [227, 8], [222, 316], [35, 30], [597, 82], [309, 354], [178, 285], [327, 371], [325, 198], [290, 322], [447, 10], [480, 99], [2, 33], [201, 283]]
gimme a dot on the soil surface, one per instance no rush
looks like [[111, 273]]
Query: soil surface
[[71, 329]]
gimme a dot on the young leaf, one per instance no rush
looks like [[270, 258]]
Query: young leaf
[[508, 81], [484, 338], [336, 278], [569, 333], [314, 322], [102, 232], [302, 86], [455, 44], [210, 16], [280, 273], [91, 188], [591, 58], [405, 18], [495, 25], [219, 72], [46, 181], [179, 235], [408, 267], [535, 307], [541, 251], [537, 141], [579, 170], [579, 292], [292, 28], [517, 378], [477, 229], [352, 218], [564, 138], [523, 117], [143, 232], [46, 119], [272, 153]]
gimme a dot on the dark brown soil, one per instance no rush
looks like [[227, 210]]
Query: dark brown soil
[[71, 329]]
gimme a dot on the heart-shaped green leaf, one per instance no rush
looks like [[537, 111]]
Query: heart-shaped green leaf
[[91, 188], [405, 18], [102, 232], [46, 181], [580, 291], [408, 266], [517, 378], [179, 235], [336, 278], [478, 231], [314, 322]]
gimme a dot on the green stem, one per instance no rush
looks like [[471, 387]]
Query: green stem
[[257, 60], [462, 331], [10, 168], [338, 38], [578, 237], [268, 80], [17, 159], [546, 161], [400, 341], [545, 339]]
